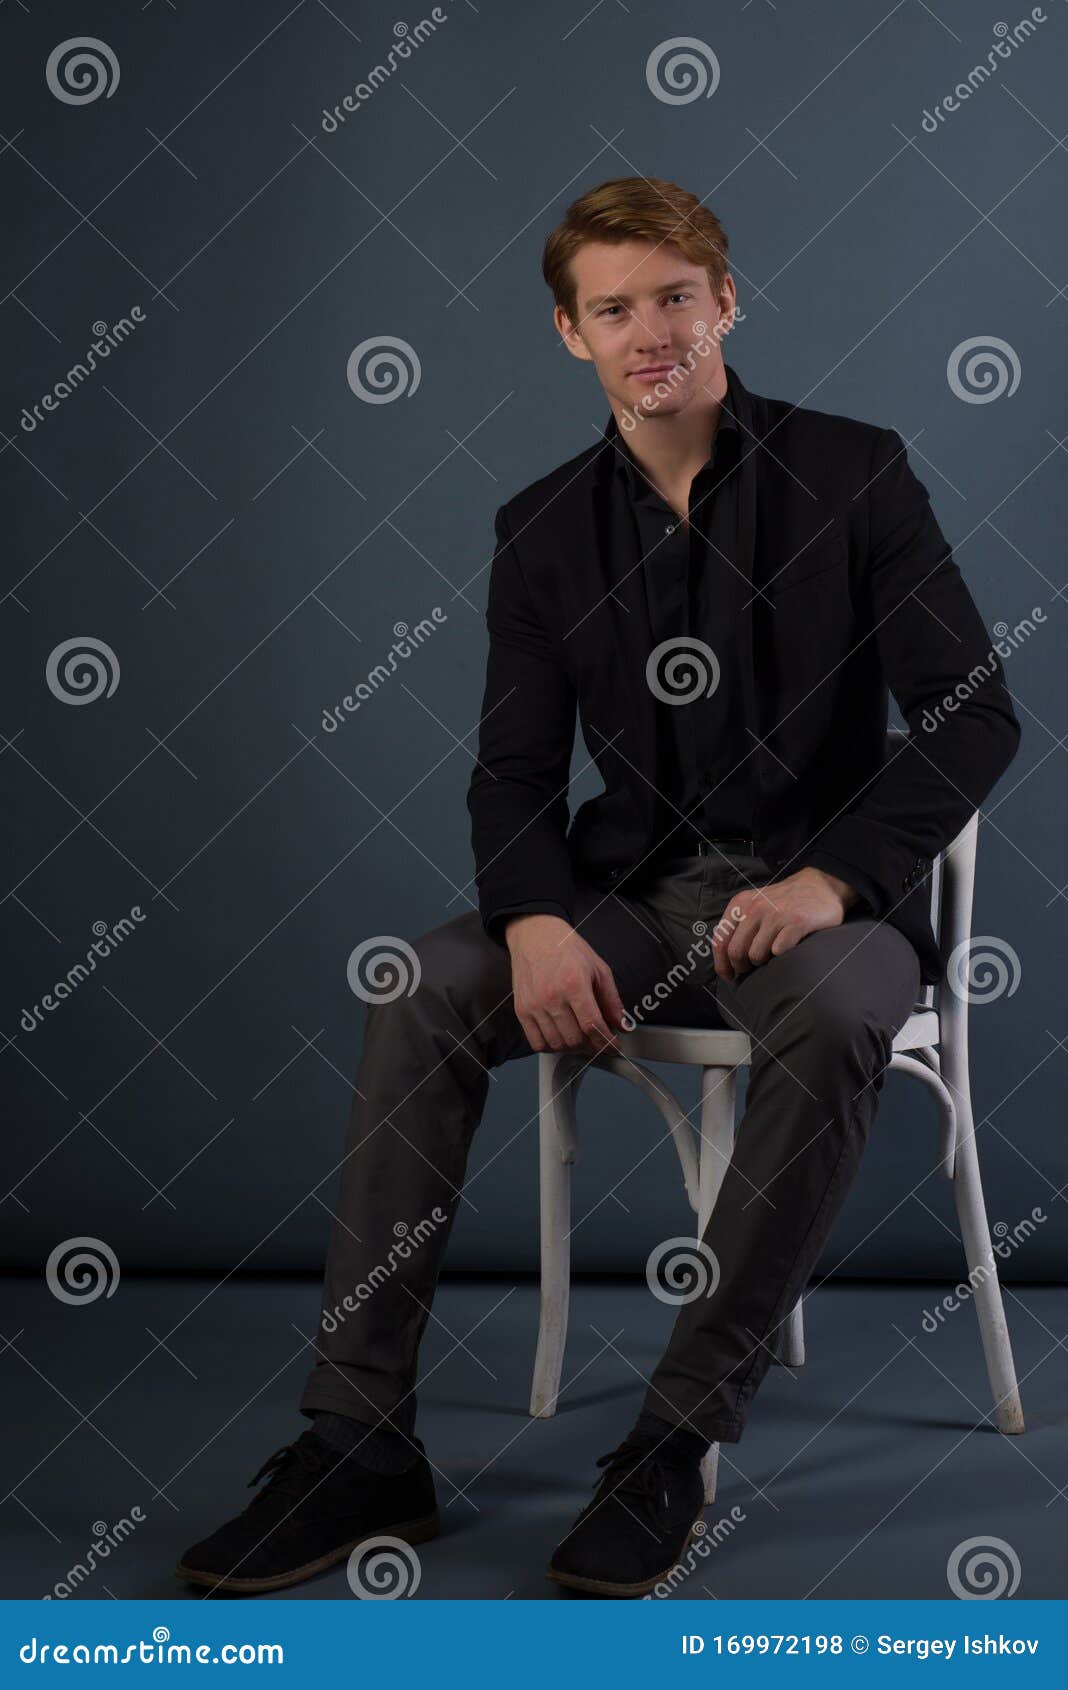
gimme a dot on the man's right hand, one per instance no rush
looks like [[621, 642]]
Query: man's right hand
[[565, 994]]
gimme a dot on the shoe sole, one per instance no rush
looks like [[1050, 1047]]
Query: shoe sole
[[411, 1531], [602, 1587]]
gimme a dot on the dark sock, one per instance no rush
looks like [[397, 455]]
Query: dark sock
[[379, 1448], [677, 1440]]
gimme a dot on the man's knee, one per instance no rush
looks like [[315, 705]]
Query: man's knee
[[450, 967], [839, 991]]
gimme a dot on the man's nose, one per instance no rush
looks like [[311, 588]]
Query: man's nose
[[652, 331]]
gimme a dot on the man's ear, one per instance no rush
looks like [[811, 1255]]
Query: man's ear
[[570, 335]]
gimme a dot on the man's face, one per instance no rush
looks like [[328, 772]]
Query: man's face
[[645, 310]]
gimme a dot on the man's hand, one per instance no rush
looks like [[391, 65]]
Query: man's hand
[[771, 919], [565, 994]]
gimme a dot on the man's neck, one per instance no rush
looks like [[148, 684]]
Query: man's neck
[[670, 450]]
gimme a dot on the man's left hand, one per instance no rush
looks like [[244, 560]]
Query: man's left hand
[[771, 919]]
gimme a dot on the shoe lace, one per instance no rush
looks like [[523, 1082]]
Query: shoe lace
[[635, 1469], [285, 1469]]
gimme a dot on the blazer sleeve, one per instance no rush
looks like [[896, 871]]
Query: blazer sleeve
[[517, 798], [948, 683]]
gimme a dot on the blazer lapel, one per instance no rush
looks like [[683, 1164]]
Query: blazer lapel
[[746, 548]]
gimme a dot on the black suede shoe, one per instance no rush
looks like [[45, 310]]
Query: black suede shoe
[[644, 1514], [317, 1505]]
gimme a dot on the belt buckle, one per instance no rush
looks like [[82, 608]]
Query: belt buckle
[[705, 847]]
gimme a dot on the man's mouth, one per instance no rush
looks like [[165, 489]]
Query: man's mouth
[[649, 371]]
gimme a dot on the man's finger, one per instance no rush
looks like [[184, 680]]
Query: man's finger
[[592, 1022], [614, 1008], [790, 934], [742, 938], [762, 945]]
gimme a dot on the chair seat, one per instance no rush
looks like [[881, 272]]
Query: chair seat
[[716, 1047], [920, 1031]]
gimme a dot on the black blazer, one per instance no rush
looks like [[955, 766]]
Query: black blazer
[[853, 591]]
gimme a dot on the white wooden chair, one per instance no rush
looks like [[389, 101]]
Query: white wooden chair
[[932, 1046]]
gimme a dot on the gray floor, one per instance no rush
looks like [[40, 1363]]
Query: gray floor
[[857, 1476]]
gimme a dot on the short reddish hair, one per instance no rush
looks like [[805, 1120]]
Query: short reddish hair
[[633, 208]]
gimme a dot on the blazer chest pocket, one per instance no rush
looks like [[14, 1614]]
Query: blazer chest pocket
[[805, 624], [814, 562]]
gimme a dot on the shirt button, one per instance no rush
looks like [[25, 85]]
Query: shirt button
[[670, 529]]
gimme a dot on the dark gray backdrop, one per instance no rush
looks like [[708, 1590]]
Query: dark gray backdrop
[[244, 533]]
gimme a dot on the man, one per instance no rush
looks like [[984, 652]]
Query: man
[[724, 587]]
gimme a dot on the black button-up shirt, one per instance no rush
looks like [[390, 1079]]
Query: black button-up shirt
[[704, 757]]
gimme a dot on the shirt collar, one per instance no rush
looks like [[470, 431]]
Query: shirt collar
[[626, 464]]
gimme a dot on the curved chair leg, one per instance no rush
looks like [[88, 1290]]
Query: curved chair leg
[[557, 1150], [982, 1270], [718, 1087]]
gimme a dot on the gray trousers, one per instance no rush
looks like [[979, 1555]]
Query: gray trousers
[[821, 1018]]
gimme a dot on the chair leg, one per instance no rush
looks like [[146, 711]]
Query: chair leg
[[718, 1087], [982, 1271], [710, 1472], [556, 1150], [792, 1346]]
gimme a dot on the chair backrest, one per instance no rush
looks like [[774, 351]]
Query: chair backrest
[[952, 890]]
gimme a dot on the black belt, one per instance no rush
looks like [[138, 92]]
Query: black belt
[[694, 845]]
